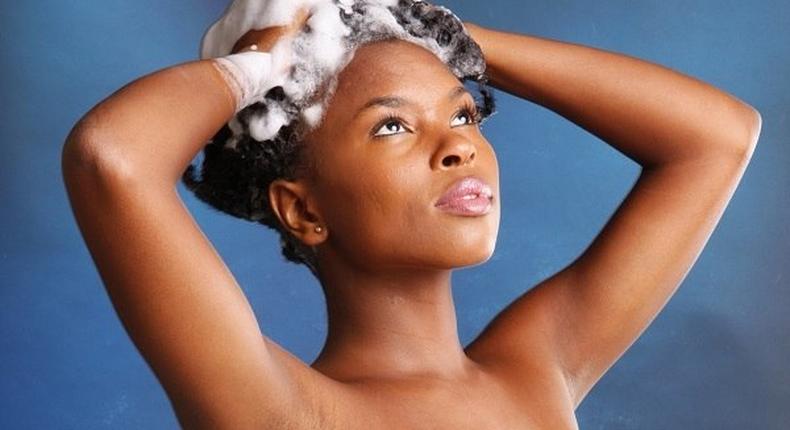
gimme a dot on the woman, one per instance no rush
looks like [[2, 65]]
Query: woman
[[395, 137]]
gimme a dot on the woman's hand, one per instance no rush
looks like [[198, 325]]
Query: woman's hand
[[266, 38]]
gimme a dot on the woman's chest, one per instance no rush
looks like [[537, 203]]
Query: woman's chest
[[433, 406]]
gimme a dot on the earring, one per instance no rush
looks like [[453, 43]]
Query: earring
[[319, 229]]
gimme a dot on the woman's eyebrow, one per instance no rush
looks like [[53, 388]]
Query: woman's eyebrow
[[395, 101]]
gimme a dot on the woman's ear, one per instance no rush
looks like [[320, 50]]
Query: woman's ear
[[289, 201]]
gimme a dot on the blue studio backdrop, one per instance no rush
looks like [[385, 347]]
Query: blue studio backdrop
[[716, 357]]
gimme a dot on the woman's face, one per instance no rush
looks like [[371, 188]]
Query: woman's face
[[376, 180]]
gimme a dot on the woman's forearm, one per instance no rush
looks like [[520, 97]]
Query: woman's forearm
[[153, 127], [650, 113]]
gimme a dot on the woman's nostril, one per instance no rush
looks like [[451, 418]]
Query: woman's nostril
[[450, 160], [457, 159]]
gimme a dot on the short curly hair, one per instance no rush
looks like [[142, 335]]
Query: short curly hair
[[235, 178]]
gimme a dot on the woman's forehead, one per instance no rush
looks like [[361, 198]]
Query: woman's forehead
[[391, 67]]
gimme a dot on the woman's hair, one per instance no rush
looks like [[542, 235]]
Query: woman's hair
[[237, 169]]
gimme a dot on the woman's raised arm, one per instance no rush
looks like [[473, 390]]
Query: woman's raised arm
[[693, 142], [648, 112], [174, 295]]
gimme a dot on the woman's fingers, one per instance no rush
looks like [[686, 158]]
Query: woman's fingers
[[265, 39]]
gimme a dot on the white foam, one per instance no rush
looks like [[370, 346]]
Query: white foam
[[264, 126], [312, 115], [315, 55], [242, 16]]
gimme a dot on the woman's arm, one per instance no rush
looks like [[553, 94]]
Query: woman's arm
[[693, 142], [650, 113], [176, 298]]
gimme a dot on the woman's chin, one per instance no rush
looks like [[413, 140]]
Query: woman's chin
[[481, 256], [469, 255], [473, 247]]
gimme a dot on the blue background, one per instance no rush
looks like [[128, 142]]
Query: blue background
[[716, 357]]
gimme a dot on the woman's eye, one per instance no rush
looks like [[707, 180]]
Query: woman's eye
[[467, 115], [391, 127], [394, 125]]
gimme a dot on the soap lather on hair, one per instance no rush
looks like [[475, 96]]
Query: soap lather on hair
[[333, 32]]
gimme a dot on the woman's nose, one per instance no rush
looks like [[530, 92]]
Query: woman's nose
[[455, 151]]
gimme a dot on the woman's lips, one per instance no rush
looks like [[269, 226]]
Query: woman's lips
[[473, 206], [469, 196]]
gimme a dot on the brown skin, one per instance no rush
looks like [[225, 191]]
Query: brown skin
[[387, 283], [392, 358]]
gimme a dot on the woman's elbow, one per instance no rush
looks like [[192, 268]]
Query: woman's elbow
[[87, 151], [744, 128]]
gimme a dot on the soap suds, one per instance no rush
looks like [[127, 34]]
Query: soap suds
[[335, 29]]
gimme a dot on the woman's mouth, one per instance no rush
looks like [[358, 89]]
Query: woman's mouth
[[468, 205], [469, 196]]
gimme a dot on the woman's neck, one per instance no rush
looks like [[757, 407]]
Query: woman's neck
[[393, 325]]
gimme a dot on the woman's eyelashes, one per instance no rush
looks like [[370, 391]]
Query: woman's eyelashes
[[389, 120], [392, 123]]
